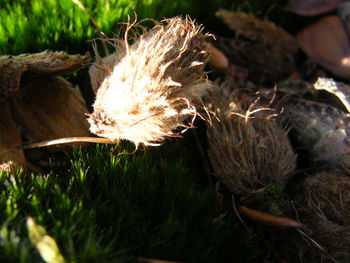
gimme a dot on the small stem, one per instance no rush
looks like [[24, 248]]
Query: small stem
[[65, 140]]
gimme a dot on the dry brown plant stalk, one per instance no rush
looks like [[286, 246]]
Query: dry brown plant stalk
[[153, 85], [247, 148]]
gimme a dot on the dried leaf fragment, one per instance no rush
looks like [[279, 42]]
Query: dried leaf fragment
[[47, 63], [36, 104], [50, 108], [9, 135]]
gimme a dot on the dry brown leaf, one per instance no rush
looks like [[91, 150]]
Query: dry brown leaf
[[9, 136]]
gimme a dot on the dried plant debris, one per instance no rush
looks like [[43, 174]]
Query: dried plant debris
[[327, 193], [321, 130], [9, 135], [47, 63], [338, 89], [266, 50], [48, 109], [247, 148], [323, 203], [37, 104], [156, 84]]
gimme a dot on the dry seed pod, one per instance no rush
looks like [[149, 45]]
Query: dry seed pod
[[320, 241], [323, 203], [327, 193], [157, 83], [334, 239], [266, 50], [322, 130], [247, 149]]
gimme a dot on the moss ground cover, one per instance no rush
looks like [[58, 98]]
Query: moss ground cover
[[108, 208]]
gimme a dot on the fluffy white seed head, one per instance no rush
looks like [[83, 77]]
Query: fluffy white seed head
[[155, 85]]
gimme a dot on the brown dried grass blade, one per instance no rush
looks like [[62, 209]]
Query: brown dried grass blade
[[269, 219], [65, 140]]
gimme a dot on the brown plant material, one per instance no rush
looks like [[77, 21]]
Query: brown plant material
[[155, 84], [44, 64], [338, 89], [9, 135], [50, 108], [217, 59], [324, 205], [326, 42], [327, 193], [266, 50], [269, 219], [247, 148], [320, 129], [37, 104]]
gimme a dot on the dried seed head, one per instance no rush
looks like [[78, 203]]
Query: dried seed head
[[247, 148], [321, 130], [323, 203], [157, 83], [326, 193]]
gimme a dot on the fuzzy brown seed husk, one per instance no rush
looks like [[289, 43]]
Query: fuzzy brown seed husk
[[323, 202], [246, 152]]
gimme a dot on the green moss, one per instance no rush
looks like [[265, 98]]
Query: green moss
[[108, 208], [33, 26]]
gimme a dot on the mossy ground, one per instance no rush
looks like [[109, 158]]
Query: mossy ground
[[101, 207], [109, 208]]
